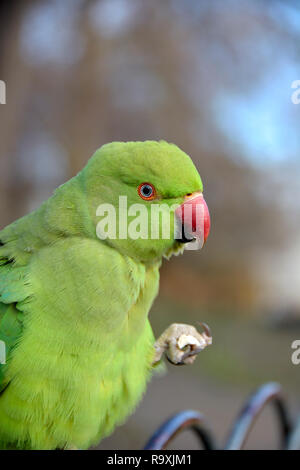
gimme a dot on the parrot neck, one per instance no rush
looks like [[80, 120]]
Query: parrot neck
[[64, 215], [66, 212]]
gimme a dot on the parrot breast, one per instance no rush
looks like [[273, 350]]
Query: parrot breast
[[86, 351]]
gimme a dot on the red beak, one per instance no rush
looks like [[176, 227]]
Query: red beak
[[194, 218]]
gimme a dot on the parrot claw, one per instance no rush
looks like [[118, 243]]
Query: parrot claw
[[182, 343]]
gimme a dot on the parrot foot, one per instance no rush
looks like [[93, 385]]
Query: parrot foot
[[182, 343]]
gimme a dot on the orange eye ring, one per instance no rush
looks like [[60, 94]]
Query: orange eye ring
[[146, 191]]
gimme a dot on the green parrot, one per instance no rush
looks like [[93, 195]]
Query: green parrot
[[74, 304]]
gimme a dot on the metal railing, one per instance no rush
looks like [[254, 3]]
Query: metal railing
[[195, 421]]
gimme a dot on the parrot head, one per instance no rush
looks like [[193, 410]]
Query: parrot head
[[145, 198]]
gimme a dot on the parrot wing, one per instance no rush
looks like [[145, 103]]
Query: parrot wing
[[12, 291]]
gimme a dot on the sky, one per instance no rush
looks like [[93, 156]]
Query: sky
[[260, 120]]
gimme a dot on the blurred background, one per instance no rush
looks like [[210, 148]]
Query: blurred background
[[215, 78]]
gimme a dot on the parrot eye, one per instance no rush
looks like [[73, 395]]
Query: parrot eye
[[146, 191]]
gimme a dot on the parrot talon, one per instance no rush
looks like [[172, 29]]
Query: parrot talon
[[173, 363], [205, 328]]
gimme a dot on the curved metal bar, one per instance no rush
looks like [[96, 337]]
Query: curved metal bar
[[270, 392], [188, 419], [294, 437]]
